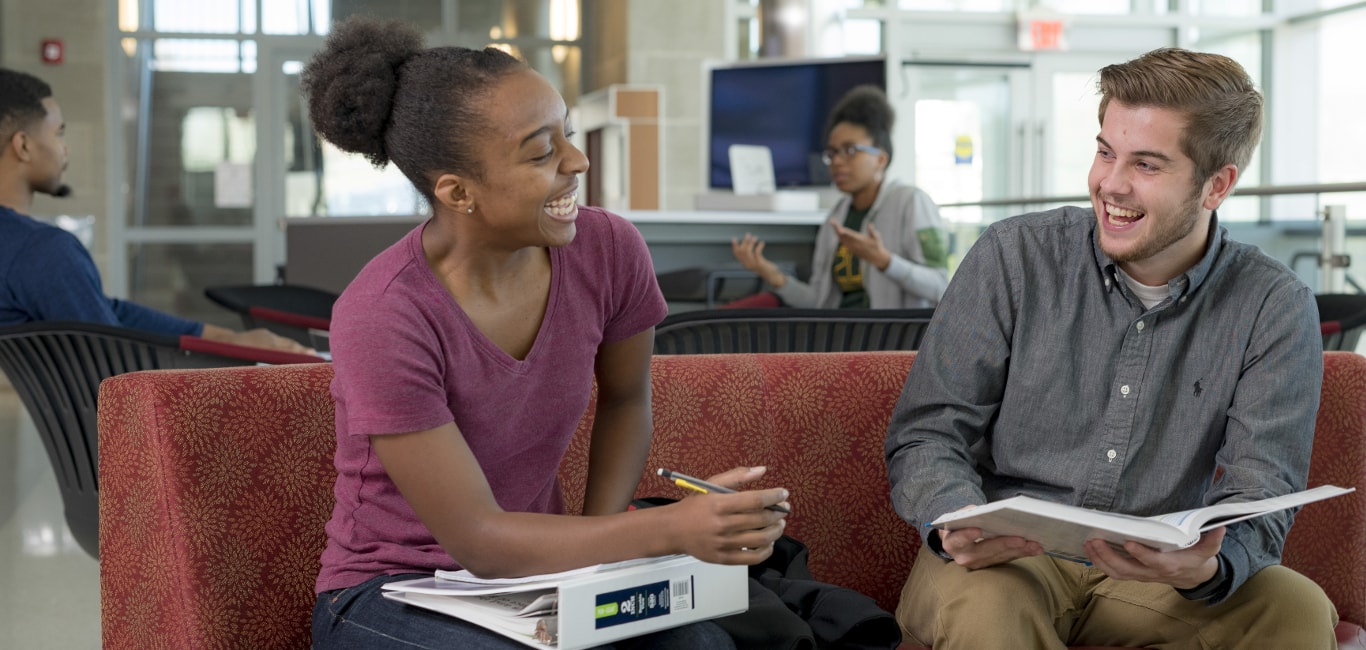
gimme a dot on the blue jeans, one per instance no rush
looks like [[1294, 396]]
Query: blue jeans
[[360, 617]]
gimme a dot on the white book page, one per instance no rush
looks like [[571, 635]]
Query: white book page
[[495, 612], [1222, 514], [438, 587], [1060, 528], [1063, 529], [469, 578]]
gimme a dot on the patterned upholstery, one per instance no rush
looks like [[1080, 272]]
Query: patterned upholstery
[[817, 422], [1328, 541], [214, 490], [215, 484]]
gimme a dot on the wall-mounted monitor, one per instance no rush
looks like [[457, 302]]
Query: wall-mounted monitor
[[782, 105]]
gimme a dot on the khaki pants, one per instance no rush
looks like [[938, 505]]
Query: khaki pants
[[1042, 602]]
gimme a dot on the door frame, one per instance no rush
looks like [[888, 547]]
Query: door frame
[[270, 96]]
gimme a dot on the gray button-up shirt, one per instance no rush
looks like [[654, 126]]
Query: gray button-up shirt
[[1042, 374]]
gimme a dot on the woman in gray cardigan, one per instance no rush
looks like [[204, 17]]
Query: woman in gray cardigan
[[884, 244]]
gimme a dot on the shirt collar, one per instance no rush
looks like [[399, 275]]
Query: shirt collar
[[1180, 285]]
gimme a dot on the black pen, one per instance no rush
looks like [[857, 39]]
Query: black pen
[[699, 485]]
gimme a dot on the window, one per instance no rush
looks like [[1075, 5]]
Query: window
[[213, 135], [957, 5], [1246, 49], [1342, 137], [1089, 6]]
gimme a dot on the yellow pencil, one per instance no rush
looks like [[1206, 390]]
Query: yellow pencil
[[699, 485]]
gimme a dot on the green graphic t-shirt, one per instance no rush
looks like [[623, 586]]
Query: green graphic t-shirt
[[848, 268]]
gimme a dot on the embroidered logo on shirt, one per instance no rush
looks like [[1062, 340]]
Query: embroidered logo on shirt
[[1198, 389]]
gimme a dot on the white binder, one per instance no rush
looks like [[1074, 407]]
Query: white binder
[[594, 607]]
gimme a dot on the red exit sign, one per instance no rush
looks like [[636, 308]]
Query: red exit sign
[[1042, 32]]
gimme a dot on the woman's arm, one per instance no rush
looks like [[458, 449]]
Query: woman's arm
[[622, 426], [926, 274], [440, 478]]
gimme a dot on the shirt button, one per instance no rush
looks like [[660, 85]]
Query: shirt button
[[1139, 326], [1111, 454], [1124, 390]]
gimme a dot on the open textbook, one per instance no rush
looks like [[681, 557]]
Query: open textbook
[[1064, 529], [584, 607]]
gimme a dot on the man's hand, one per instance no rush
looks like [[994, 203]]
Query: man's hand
[[969, 550], [867, 247], [1184, 569], [256, 338]]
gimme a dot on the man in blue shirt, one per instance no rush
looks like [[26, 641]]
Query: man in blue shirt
[[1129, 358], [45, 272]]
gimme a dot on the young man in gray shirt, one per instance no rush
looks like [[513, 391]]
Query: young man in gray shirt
[[1128, 358]]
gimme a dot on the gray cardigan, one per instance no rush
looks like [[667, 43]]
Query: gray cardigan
[[900, 212]]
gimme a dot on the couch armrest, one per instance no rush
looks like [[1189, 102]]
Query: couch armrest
[[215, 486], [1327, 542]]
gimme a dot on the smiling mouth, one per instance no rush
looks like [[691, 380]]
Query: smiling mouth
[[563, 206], [1121, 216]]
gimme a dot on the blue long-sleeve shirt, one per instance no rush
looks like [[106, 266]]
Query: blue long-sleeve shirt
[[46, 274]]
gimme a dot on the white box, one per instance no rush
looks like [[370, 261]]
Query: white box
[[780, 201]]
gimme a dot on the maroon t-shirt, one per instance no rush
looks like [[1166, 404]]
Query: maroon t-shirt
[[407, 358]]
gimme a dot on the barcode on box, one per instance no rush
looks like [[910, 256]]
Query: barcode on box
[[682, 593]]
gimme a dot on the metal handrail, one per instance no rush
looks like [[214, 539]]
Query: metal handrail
[[1265, 190]]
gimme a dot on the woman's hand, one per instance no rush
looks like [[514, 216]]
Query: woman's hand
[[730, 528], [868, 248], [750, 253]]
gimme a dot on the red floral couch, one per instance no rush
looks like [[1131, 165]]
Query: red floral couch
[[216, 484]]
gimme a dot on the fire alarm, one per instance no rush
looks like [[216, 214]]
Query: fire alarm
[[52, 51]]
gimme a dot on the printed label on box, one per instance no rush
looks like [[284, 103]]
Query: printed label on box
[[633, 604], [682, 593]]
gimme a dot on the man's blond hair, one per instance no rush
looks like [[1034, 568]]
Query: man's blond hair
[[1223, 110]]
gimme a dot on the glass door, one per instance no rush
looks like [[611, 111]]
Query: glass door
[[1067, 102], [299, 174], [187, 144], [957, 128]]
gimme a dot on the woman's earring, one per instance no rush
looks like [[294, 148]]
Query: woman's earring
[[470, 210]]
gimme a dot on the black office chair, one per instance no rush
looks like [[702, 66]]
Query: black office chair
[[713, 285], [1342, 318], [56, 368], [301, 313], [717, 331]]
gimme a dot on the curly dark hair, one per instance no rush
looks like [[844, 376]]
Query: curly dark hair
[[21, 101], [376, 90], [866, 106]]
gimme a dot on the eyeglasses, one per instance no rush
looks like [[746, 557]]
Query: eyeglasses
[[847, 151]]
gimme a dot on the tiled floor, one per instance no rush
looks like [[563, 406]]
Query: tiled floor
[[49, 587]]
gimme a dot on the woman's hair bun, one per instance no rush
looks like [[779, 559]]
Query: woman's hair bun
[[351, 82]]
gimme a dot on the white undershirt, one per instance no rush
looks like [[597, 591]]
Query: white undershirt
[[1148, 295]]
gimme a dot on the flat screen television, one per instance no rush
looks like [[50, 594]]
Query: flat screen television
[[781, 105]]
